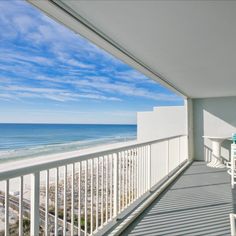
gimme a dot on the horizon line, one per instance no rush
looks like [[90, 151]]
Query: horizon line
[[38, 123]]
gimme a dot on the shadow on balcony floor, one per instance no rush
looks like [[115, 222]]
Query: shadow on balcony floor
[[198, 203]]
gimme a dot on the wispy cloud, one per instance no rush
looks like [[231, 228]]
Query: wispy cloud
[[105, 84], [62, 95]]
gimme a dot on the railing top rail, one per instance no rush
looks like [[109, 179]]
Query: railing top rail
[[32, 165]]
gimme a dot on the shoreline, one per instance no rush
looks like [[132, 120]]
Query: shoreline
[[12, 155]]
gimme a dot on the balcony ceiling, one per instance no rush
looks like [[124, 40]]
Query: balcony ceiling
[[190, 44]]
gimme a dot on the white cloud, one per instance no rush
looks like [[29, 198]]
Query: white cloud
[[105, 85], [123, 89], [25, 58], [23, 23], [60, 95], [6, 97], [33, 89]]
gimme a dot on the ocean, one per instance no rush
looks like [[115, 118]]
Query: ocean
[[18, 141]]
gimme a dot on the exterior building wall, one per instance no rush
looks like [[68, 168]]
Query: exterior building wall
[[162, 122], [213, 117]]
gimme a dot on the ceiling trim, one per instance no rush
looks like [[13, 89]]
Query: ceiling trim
[[66, 16]]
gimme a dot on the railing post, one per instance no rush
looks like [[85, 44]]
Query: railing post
[[65, 201], [72, 198], [116, 197], [7, 207], [46, 230], [179, 150], [21, 206], [56, 202], [232, 224], [233, 149], [150, 166], [168, 157], [34, 205]]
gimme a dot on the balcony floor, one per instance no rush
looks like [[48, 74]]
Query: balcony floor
[[197, 203]]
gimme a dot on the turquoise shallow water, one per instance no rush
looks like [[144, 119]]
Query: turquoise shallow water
[[29, 140]]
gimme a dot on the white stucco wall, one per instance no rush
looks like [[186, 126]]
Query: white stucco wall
[[162, 122], [213, 117]]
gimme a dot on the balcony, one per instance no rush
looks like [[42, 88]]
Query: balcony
[[135, 188], [158, 185]]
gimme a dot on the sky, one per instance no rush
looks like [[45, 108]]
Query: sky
[[49, 74]]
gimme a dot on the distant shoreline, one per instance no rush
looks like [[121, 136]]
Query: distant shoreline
[[11, 155], [23, 141]]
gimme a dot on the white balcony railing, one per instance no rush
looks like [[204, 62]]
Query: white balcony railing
[[80, 194]]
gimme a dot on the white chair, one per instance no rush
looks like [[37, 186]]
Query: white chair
[[231, 165]]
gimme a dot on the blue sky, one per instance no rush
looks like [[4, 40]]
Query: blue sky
[[49, 74]]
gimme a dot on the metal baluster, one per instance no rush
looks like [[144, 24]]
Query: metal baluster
[[72, 198], [138, 171], [97, 193], [119, 181], [85, 198], [34, 204], [92, 195], [129, 174], [56, 201], [123, 180], [132, 176], [111, 180], [102, 191], [65, 201], [126, 178], [46, 202], [7, 207], [135, 173], [115, 197], [79, 198], [145, 168], [21, 207], [107, 167]]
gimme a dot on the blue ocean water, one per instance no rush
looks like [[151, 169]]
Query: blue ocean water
[[25, 140]]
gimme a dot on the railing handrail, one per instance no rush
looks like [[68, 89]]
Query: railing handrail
[[50, 161]]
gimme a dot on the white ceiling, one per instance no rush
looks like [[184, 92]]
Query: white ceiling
[[191, 44]]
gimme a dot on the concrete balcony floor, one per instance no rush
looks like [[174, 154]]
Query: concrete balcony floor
[[197, 203]]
